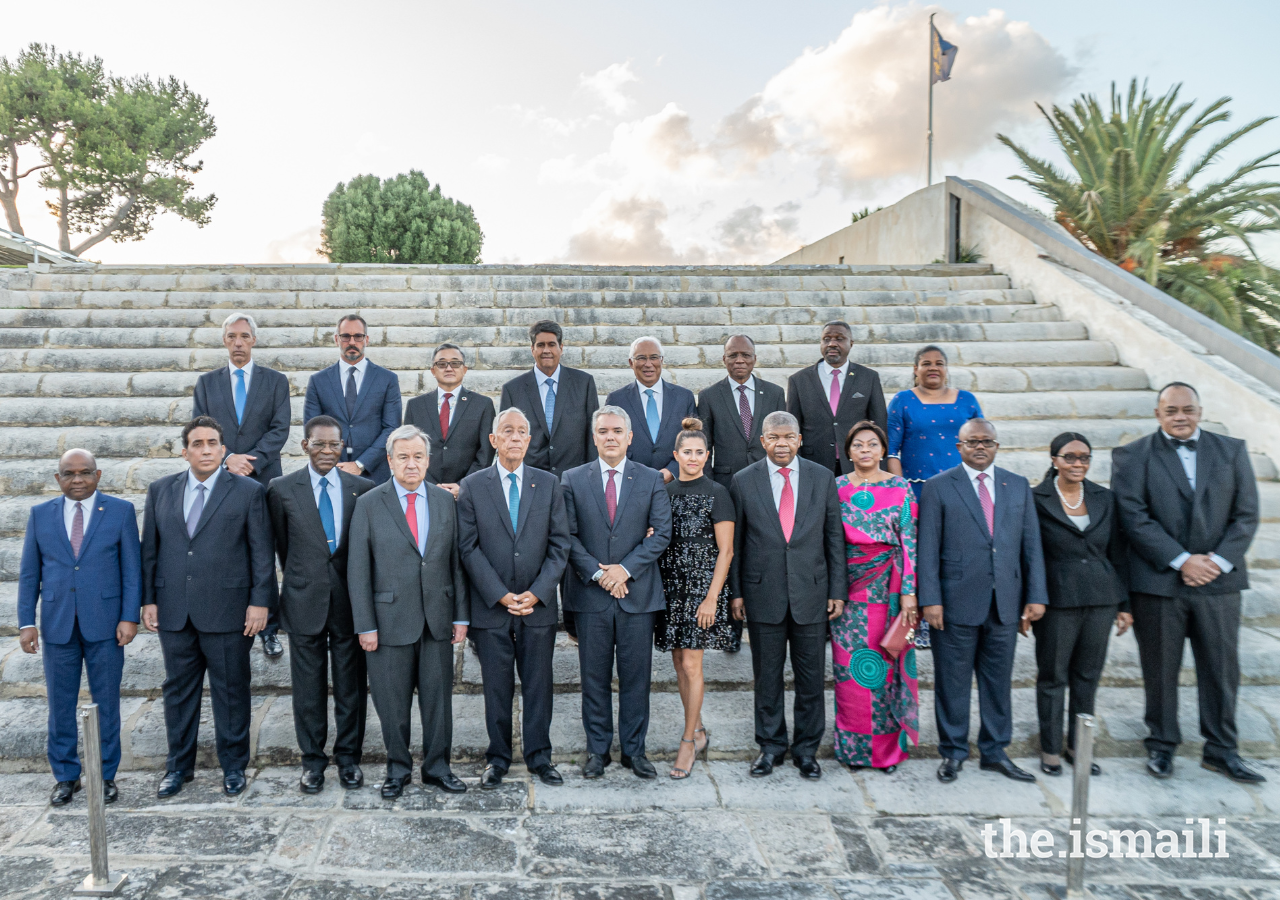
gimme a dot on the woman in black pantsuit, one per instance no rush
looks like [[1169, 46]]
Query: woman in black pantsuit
[[1086, 574]]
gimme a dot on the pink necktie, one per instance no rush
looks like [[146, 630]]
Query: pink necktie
[[77, 530], [988, 508], [411, 516], [787, 505], [611, 496], [835, 390]]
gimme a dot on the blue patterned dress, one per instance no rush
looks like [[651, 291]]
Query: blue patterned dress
[[923, 435]]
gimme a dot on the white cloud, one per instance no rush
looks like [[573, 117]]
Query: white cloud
[[299, 247], [607, 85], [492, 163]]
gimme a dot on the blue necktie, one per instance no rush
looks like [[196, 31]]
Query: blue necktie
[[550, 406], [651, 416], [513, 500], [326, 516], [240, 395]]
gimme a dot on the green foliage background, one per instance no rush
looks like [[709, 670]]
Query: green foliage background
[[400, 220]]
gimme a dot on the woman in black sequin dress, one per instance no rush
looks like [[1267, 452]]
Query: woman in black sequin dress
[[695, 569]]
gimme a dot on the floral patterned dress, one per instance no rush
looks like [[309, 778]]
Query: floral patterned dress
[[877, 718]]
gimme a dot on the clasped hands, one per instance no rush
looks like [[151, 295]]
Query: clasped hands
[[613, 578], [519, 604], [1199, 570]]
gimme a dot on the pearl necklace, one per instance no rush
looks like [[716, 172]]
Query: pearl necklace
[[1063, 496]]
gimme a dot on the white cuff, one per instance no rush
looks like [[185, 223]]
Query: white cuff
[[624, 568], [461, 623], [1223, 564], [1179, 560]]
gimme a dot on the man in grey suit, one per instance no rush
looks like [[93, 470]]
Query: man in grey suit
[[409, 604], [615, 588], [789, 577], [513, 537]]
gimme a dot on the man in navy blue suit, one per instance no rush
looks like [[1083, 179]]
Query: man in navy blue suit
[[656, 407], [980, 578], [81, 556], [363, 397]]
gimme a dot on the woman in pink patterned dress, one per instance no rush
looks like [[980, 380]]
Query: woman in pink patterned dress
[[877, 717]]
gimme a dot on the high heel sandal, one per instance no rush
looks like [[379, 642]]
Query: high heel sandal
[[705, 747], [684, 773]]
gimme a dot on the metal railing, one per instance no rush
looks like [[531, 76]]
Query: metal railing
[[19, 247]]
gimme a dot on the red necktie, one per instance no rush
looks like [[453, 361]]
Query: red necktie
[[787, 505], [988, 508], [77, 530], [744, 410], [611, 496], [411, 515], [444, 416]]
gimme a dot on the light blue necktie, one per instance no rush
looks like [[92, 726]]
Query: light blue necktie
[[240, 395], [549, 407], [651, 416], [326, 516], [513, 500]]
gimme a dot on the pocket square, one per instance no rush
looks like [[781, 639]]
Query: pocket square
[[856, 395]]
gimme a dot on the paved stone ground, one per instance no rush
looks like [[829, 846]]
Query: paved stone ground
[[719, 836]]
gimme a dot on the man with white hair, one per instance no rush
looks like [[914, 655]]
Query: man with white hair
[[657, 407], [251, 403], [409, 605]]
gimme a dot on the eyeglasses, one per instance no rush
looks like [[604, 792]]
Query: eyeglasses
[[986, 444], [449, 364], [1072, 459], [645, 359], [352, 338], [325, 445]]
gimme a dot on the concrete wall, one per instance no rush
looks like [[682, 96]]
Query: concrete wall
[[913, 230]]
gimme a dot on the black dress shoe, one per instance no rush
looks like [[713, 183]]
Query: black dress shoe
[[641, 766], [950, 770], [889, 770], [1235, 769], [63, 791], [548, 775], [1006, 768], [491, 779], [171, 783], [350, 777], [394, 787], [234, 782], [1050, 770], [449, 783], [110, 793], [809, 767], [765, 762], [595, 764], [271, 646], [1160, 763], [312, 782], [1094, 768]]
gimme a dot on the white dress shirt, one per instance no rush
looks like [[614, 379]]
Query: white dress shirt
[[644, 398], [69, 511], [750, 385], [839, 374], [542, 384], [776, 481], [1187, 457], [990, 481], [617, 486], [453, 401], [344, 370], [189, 494], [335, 497], [504, 476], [248, 377]]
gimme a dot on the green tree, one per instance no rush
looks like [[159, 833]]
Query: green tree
[[116, 152], [402, 219], [1134, 194]]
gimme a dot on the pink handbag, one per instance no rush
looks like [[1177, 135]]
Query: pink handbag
[[898, 637]]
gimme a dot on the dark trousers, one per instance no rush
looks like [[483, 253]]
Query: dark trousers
[[309, 667], [629, 637], [188, 655], [1071, 649], [104, 661], [1212, 622], [768, 658], [958, 652], [394, 673], [503, 652], [273, 622]]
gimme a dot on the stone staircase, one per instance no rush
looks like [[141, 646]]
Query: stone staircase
[[106, 358]]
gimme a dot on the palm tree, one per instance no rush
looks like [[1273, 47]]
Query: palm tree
[[1128, 197]]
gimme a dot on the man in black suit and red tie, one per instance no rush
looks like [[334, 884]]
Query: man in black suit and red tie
[[457, 419]]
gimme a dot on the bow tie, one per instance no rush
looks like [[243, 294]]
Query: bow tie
[[1189, 444]]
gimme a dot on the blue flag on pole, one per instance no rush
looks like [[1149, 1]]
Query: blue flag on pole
[[943, 55]]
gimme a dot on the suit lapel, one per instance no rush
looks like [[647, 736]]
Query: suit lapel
[[60, 528], [526, 498], [366, 385], [340, 398], [818, 372], [960, 481], [1206, 462], [1005, 493], [306, 498], [1050, 503], [1168, 457], [223, 401], [847, 390], [668, 424], [216, 496], [557, 414], [349, 498], [626, 481], [254, 396], [392, 501], [172, 504], [99, 510], [765, 488], [498, 487]]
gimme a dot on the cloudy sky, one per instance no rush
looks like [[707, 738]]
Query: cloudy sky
[[602, 132]]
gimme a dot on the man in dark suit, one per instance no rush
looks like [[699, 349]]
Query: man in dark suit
[[619, 524], [251, 403], [456, 419], [1189, 505], [363, 397], [409, 605], [657, 408], [831, 396], [980, 580], [80, 556], [789, 579], [513, 538], [311, 512], [208, 583]]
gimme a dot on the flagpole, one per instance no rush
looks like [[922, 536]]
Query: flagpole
[[929, 167]]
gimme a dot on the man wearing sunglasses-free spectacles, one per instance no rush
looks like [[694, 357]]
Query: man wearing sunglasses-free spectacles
[[458, 421]]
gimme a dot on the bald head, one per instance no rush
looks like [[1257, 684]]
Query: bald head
[[78, 474]]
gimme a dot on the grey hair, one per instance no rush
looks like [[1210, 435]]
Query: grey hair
[[640, 340], [240, 317], [779, 417], [611, 411], [510, 411], [407, 433]]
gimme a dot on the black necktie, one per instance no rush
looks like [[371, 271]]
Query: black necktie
[[351, 392]]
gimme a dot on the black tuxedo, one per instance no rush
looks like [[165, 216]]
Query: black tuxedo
[[823, 434], [733, 449], [265, 428], [466, 449], [315, 611], [1163, 517], [568, 443]]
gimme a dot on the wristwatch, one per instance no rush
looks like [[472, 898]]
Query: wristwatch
[[360, 464]]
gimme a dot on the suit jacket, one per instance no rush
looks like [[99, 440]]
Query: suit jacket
[[677, 405], [394, 590], [1163, 517], [99, 589], [314, 579], [500, 559], [1083, 568], [823, 434], [958, 563], [467, 448], [211, 577], [731, 449], [772, 575], [377, 414], [642, 504], [265, 428], [569, 442]]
